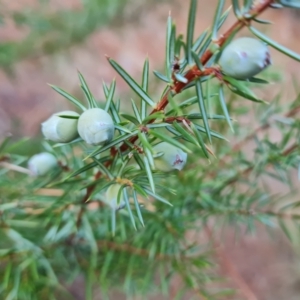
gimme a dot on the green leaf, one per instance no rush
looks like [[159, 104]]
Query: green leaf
[[83, 169], [190, 30], [197, 61], [202, 108], [68, 117], [168, 64], [199, 41], [172, 45], [224, 17], [199, 116], [213, 133], [185, 134], [138, 160], [113, 143], [109, 95], [258, 80], [275, 45], [149, 173], [100, 185], [158, 197], [157, 125], [224, 107], [114, 112], [144, 141], [136, 111], [179, 43], [148, 150], [103, 169], [140, 190], [87, 92], [123, 129], [260, 21], [156, 115], [130, 118], [217, 18], [161, 76], [199, 139], [247, 5], [126, 198], [238, 87], [166, 138], [187, 103], [105, 89], [145, 80], [68, 97], [137, 207], [236, 9], [208, 40], [131, 82]]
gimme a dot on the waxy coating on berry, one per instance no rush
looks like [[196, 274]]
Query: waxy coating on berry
[[111, 197], [168, 158], [244, 58], [290, 3], [59, 129], [42, 163], [95, 126]]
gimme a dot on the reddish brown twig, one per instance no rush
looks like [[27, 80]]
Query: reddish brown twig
[[194, 72], [191, 75], [178, 119]]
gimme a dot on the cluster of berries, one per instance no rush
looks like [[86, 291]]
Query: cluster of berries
[[241, 59]]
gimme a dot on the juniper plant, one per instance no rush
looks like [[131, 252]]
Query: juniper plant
[[109, 202]]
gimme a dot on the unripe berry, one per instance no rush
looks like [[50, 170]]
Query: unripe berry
[[290, 3], [95, 126], [244, 58], [169, 157], [61, 130], [42, 163], [111, 197]]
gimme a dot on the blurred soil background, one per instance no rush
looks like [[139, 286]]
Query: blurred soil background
[[48, 41]]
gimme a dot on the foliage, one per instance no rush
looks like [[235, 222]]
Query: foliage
[[57, 227]]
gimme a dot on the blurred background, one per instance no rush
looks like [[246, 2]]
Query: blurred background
[[48, 41]]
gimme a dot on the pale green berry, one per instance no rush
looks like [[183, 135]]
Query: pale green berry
[[59, 129], [111, 197], [168, 157], [42, 163], [290, 3], [96, 127], [244, 58]]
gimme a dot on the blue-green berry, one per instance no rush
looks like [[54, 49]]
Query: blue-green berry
[[96, 127], [111, 197], [168, 158], [59, 129], [290, 3], [42, 163], [244, 58]]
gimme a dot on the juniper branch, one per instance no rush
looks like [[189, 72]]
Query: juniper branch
[[191, 75]]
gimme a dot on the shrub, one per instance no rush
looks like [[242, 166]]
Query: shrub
[[119, 213]]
